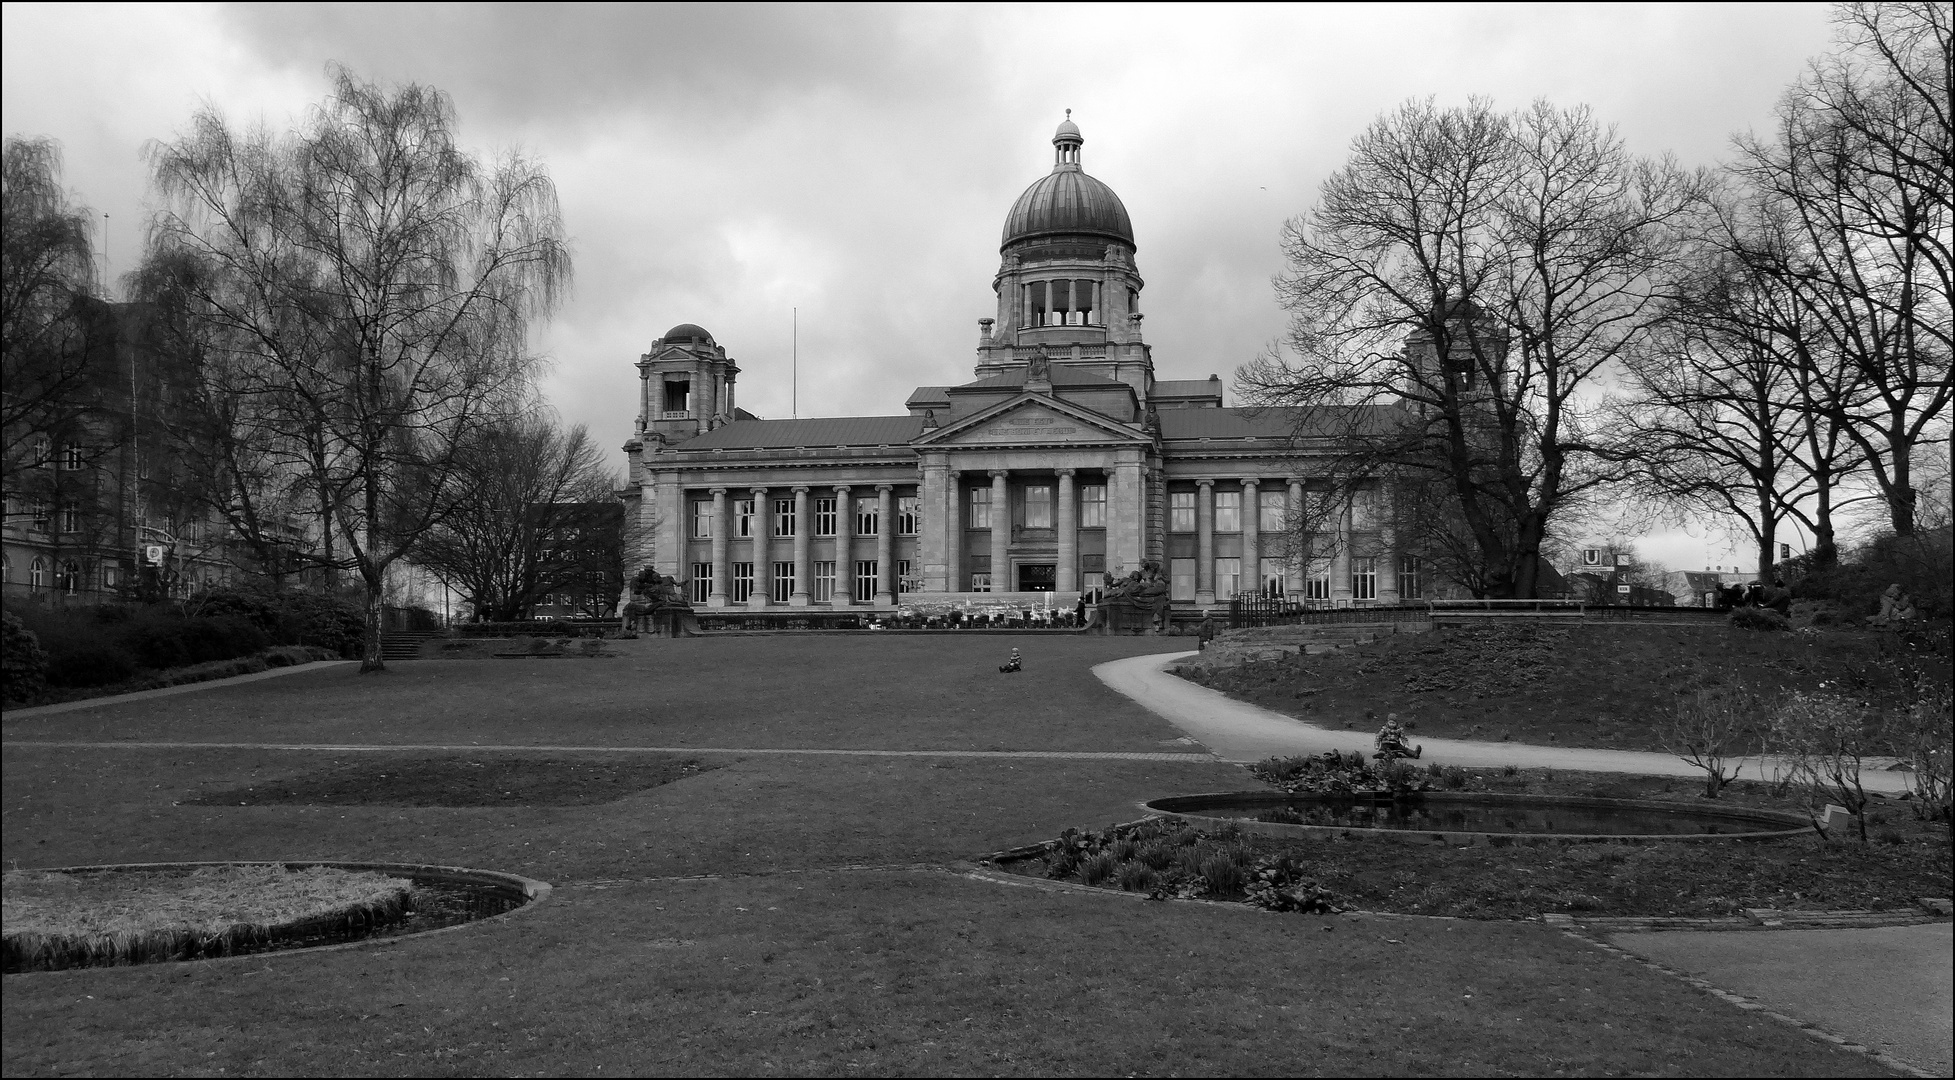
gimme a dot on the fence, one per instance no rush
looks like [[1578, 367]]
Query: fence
[[1247, 611]]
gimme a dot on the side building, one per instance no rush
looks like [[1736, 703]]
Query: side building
[[1062, 465]]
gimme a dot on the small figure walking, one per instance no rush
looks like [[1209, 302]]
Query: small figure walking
[[1207, 631], [1012, 663]]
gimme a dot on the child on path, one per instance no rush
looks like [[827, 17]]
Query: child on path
[[1012, 663]]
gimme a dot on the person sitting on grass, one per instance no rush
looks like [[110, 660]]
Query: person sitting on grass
[[1391, 740], [1012, 663]]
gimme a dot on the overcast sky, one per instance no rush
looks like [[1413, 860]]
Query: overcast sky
[[726, 165]]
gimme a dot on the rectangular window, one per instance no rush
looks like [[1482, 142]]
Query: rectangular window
[[702, 520], [906, 515], [70, 517], [77, 457], [981, 508], [1271, 578], [866, 513], [740, 582], [784, 517], [825, 517], [1092, 506], [783, 582], [1316, 580], [1181, 513], [109, 577], [824, 580], [41, 514], [701, 584], [1181, 579], [865, 580], [743, 518], [1364, 579], [981, 582], [904, 582], [1274, 506], [1038, 506], [1092, 582], [1411, 581], [1228, 578], [1228, 511]]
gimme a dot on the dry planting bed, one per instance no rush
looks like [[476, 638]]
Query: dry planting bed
[[1909, 859]]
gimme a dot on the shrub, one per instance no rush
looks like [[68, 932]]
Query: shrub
[[309, 618], [1136, 877], [23, 663], [99, 663], [1454, 777], [1758, 618], [1157, 855], [1096, 869], [1223, 875]]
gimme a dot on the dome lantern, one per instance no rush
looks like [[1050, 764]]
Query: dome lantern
[[1066, 142]]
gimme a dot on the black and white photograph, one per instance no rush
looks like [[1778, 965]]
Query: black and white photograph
[[977, 539]]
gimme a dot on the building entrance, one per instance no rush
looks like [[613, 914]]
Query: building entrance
[[1037, 577]]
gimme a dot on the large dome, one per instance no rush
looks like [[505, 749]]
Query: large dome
[[688, 331], [1066, 201]]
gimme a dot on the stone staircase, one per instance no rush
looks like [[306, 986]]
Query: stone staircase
[[403, 644]]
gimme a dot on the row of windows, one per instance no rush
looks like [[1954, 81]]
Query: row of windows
[[822, 581], [1271, 579], [1272, 507], [1040, 507], [868, 514], [73, 457], [67, 576]]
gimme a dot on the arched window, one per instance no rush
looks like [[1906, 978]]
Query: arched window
[[70, 578], [37, 575]]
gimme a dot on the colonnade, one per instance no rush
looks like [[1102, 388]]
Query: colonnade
[[762, 537]]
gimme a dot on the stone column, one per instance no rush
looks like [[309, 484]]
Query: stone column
[[953, 519], [844, 593], [929, 567], [1127, 511], [1204, 542], [885, 545], [1299, 551], [1340, 563], [798, 596], [1000, 530], [763, 566], [1252, 537], [722, 534], [1068, 535]]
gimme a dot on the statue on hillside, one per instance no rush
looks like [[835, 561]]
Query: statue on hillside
[[1896, 609]]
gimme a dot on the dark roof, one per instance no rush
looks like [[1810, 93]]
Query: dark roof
[[1067, 202], [928, 393], [828, 431], [1244, 423], [689, 330], [1187, 387], [1060, 377]]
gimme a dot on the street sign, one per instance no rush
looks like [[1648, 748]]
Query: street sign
[[153, 554], [1622, 588]]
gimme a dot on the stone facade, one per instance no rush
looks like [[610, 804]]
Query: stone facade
[[1064, 464]]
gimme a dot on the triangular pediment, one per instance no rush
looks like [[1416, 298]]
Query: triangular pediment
[[1032, 420]]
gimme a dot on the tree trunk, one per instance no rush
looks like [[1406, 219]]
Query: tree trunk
[[370, 648], [1767, 535]]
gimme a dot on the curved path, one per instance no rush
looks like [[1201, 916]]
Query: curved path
[[1240, 732]]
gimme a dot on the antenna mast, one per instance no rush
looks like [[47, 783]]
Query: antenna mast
[[794, 368]]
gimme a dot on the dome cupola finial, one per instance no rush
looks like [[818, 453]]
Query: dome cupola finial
[[1067, 141]]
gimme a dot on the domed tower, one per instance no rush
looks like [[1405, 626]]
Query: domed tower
[[1067, 281], [685, 385]]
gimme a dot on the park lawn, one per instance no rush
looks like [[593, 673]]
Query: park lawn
[[781, 961], [1584, 685], [900, 691]]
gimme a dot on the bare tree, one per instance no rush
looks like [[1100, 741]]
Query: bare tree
[[1478, 271], [47, 323], [367, 285], [1861, 172], [529, 490]]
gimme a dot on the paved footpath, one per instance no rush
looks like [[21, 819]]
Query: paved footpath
[[1891, 989], [1240, 732]]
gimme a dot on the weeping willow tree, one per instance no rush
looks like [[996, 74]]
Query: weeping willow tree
[[360, 292]]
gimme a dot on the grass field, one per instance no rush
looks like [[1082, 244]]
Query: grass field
[[1599, 686], [774, 913]]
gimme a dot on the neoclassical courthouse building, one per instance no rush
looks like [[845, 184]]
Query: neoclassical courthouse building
[[1063, 464]]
